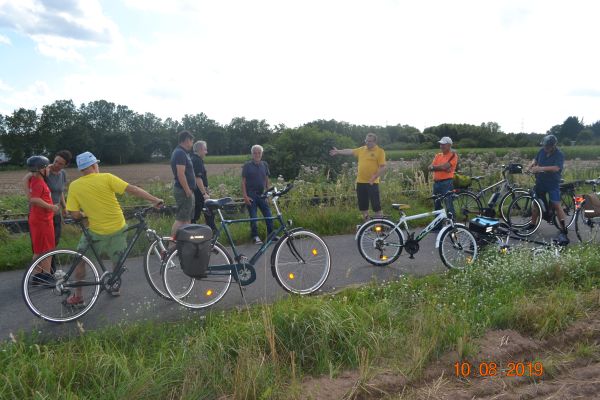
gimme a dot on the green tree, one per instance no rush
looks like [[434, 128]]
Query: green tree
[[570, 129], [245, 133], [19, 139]]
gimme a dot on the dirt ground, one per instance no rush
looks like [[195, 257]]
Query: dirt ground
[[136, 174], [569, 371]]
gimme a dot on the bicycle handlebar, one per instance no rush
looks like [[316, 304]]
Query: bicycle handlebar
[[273, 192]]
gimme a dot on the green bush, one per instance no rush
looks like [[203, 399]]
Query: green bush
[[306, 146]]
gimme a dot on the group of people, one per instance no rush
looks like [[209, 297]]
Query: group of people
[[547, 166], [94, 194]]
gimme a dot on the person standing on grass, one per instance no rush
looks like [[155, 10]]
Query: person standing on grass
[[443, 167], [94, 194], [184, 181], [41, 213], [255, 180], [57, 182], [371, 165], [201, 192]]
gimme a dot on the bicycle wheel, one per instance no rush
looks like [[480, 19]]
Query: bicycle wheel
[[520, 213], [153, 266], [466, 205], [301, 262], [458, 248], [199, 293], [47, 297], [567, 203], [506, 200], [587, 229], [380, 242]]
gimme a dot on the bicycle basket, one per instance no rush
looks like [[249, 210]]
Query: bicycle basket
[[461, 181], [514, 168], [193, 248]]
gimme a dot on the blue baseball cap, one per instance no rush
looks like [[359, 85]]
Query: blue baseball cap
[[86, 159]]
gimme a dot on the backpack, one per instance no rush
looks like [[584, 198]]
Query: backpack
[[193, 248], [591, 205]]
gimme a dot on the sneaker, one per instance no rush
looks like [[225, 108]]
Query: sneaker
[[257, 240], [75, 300], [561, 239], [43, 279]]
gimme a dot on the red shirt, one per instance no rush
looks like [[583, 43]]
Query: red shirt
[[39, 188]]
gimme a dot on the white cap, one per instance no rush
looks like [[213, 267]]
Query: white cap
[[445, 140]]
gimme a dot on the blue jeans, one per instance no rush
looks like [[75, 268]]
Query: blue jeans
[[258, 202], [442, 187]]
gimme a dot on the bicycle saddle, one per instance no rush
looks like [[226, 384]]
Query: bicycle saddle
[[214, 204], [399, 207]]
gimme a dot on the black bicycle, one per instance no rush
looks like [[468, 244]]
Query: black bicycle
[[469, 203], [300, 261], [587, 218], [47, 295]]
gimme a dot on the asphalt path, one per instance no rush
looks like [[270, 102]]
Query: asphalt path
[[138, 302]]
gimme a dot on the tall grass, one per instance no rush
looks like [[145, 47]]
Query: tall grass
[[265, 351]]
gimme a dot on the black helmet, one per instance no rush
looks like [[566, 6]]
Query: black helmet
[[549, 140], [36, 163]]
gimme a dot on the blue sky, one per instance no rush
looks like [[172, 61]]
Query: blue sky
[[527, 65]]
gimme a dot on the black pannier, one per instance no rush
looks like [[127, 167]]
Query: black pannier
[[483, 225], [514, 168], [193, 247]]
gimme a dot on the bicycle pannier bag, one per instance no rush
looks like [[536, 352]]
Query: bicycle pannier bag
[[461, 181], [193, 247], [483, 225], [591, 205]]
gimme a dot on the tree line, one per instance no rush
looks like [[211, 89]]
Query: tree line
[[119, 135]]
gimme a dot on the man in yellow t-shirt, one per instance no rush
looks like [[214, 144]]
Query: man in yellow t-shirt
[[443, 167], [371, 164], [94, 195]]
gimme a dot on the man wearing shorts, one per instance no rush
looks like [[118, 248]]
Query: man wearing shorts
[[94, 194], [547, 167], [371, 164], [184, 180]]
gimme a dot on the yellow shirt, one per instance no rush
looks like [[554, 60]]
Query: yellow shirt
[[94, 194], [369, 162]]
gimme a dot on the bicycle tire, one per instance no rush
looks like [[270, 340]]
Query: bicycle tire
[[47, 299], [154, 267], [379, 242], [301, 262], [505, 201], [467, 205], [458, 248], [586, 229], [198, 293], [567, 203], [520, 212]]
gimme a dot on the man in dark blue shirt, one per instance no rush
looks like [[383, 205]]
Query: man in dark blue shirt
[[255, 179], [547, 167], [184, 180], [201, 193]]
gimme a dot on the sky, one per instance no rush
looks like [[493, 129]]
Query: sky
[[524, 64]]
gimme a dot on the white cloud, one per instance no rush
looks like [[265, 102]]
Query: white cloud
[[5, 40]]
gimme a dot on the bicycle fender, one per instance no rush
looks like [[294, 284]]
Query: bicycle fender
[[298, 228], [382, 220], [438, 239]]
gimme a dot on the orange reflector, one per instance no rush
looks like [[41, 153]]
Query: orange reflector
[[209, 292], [384, 257], [314, 252], [292, 276], [378, 228], [469, 260]]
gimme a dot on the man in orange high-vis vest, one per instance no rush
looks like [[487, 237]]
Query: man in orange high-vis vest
[[443, 167]]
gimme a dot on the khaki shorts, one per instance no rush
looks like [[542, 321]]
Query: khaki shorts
[[111, 246], [185, 205]]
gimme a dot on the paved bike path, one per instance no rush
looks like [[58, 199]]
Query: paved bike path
[[138, 301]]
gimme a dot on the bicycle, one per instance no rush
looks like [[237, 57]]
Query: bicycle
[[587, 227], [520, 211], [468, 203], [300, 261], [381, 241], [47, 299]]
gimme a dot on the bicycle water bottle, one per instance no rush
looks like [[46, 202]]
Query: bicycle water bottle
[[493, 199]]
